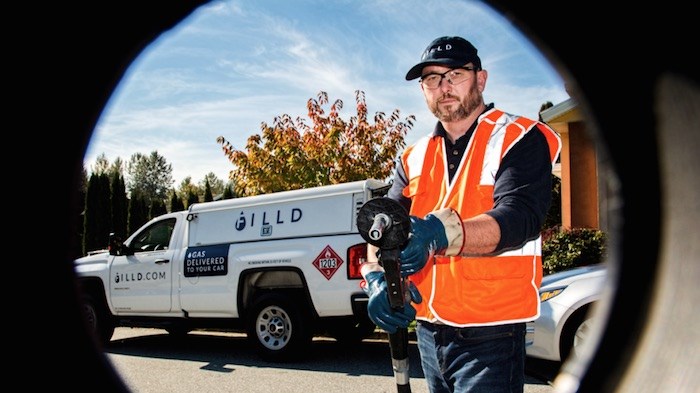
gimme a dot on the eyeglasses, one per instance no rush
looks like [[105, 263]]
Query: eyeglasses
[[454, 77]]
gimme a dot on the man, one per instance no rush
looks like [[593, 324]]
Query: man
[[477, 189]]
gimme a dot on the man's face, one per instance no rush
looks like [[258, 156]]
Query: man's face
[[454, 102]]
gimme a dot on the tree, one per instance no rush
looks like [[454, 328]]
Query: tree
[[101, 165], [157, 208], [97, 219], [192, 197], [120, 204], [544, 107], [138, 212], [291, 155], [149, 176], [228, 192], [553, 217], [187, 188], [176, 203], [208, 197], [77, 249], [216, 185]]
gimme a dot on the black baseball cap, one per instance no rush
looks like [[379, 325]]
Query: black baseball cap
[[446, 51]]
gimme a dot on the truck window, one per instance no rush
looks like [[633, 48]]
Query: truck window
[[155, 237]]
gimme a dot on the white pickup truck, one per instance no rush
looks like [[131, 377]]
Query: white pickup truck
[[281, 267]]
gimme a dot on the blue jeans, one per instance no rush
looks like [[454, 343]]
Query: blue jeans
[[488, 359]]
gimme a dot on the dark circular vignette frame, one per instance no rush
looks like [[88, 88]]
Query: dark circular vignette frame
[[630, 74]]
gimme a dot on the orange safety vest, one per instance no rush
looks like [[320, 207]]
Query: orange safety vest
[[484, 290]]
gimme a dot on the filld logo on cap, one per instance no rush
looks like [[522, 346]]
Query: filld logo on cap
[[438, 48]]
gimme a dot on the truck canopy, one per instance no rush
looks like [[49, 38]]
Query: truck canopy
[[324, 210]]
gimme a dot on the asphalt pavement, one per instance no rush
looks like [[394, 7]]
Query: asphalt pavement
[[151, 361]]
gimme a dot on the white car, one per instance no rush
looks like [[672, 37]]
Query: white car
[[564, 322]]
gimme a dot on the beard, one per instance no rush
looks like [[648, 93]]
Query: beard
[[466, 106]]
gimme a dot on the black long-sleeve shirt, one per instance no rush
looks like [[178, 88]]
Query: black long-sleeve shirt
[[522, 189]]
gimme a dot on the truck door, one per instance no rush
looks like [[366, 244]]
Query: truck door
[[142, 282]]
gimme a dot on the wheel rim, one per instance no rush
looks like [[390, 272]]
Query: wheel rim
[[90, 317], [273, 327], [580, 337]]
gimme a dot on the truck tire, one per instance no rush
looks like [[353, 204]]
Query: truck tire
[[276, 326], [98, 322]]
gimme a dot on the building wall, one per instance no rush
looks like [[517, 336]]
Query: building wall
[[583, 178], [580, 194]]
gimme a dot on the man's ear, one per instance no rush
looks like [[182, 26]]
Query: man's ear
[[481, 77]]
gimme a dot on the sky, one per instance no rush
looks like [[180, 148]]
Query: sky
[[232, 65]]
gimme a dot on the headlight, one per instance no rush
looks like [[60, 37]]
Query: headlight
[[550, 293]]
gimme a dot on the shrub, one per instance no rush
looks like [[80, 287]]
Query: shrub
[[553, 217], [564, 249]]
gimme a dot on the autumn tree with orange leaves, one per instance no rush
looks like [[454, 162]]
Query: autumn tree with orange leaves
[[292, 155]]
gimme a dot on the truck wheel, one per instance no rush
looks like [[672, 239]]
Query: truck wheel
[[277, 328], [97, 321]]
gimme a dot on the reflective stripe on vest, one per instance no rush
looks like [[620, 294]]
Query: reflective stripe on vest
[[474, 291]]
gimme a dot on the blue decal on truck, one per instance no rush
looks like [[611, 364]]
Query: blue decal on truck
[[206, 261]]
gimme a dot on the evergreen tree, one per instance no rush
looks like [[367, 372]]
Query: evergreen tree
[[228, 192], [138, 212], [101, 165], [544, 107], [77, 247], [188, 188], [120, 205], [553, 217], [215, 184], [176, 203], [97, 219], [208, 197], [157, 208], [192, 198], [106, 221]]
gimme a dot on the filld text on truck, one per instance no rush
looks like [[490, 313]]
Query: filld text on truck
[[281, 267]]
